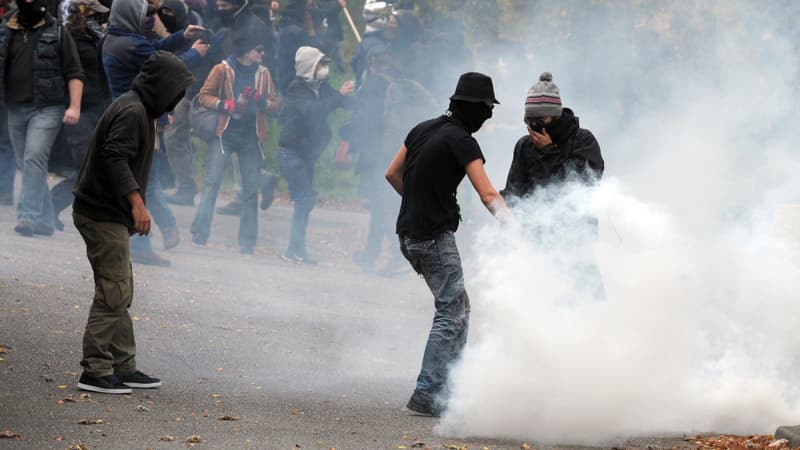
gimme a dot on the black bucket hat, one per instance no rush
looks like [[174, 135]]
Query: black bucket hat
[[474, 87]]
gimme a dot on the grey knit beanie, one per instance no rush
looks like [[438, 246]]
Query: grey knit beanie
[[544, 98]]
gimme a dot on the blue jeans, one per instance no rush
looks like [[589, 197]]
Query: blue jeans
[[33, 131], [8, 164], [157, 205], [438, 261], [299, 173], [248, 151]]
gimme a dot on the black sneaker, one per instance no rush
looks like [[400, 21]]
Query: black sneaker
[[233, 208], [139, 380], [109, 384], [24, 228], [421, 405]]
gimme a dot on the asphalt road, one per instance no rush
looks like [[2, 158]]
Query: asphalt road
[[311, 357]]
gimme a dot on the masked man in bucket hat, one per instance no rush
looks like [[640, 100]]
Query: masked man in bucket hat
[[426, 172]]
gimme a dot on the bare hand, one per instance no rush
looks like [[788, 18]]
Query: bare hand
[[275, 6], [141, 219], [192, 32], [348, 87], [343, 3], [72, 115], [540, 140], [201, 47]]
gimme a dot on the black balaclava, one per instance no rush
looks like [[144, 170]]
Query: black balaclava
[[31, 13], [472, 115], [179, 18]]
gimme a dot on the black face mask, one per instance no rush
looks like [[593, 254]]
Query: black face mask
[[175, 102], [226, 16], [170, 22], [31, 13], [472, 115]]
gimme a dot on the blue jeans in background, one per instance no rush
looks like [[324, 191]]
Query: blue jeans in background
[[8, 163], [299, 173], [243, 140], [157, 205], [438, 261], [33, 131]]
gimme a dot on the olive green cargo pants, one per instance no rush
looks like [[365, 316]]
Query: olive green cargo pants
[[108, 343]]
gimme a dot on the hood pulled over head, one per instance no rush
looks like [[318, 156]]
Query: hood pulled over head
[[162, 82], [305, 62], [179, 18], [128, 15]]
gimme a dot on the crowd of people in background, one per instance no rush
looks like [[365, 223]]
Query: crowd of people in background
[[262, 65]]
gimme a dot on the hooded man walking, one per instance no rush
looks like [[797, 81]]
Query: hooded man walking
[[426, 172], [109, 207]]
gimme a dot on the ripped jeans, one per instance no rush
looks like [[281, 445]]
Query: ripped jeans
[[438, 261]]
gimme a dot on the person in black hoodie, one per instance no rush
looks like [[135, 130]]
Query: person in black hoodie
[[110, 206], [74, 139], [557, 150]]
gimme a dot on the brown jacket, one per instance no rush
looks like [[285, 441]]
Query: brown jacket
[[213, 93]]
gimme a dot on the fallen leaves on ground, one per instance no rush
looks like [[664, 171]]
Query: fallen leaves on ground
[[166, 438], [526, 446], [91, 422], [4, 349], [229, 418], [78, 446], [418, 444], [297, 412], [455, 446], [86, 396], [730, 442], [66, 400], [8, 434], [194, 439], [62, 386]]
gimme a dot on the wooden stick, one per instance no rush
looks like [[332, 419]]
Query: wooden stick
[[352, 24]]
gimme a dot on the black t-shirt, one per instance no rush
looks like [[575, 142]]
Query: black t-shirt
[[438, 151]]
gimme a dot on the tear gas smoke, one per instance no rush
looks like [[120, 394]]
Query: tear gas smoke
[[698, 250]]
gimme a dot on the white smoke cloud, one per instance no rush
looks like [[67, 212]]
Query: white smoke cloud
[[699, 254]]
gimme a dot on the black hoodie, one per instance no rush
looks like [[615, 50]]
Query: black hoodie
[[123, 143]]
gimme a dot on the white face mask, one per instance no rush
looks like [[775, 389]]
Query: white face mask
[[322, 73]]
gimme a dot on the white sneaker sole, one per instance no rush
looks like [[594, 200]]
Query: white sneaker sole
[[143, 385], [89, 387]]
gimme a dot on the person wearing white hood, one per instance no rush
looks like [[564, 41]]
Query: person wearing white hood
[[304, 135]]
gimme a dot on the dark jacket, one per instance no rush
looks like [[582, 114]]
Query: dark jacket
[[304, 117], [36, 66], [122, 146], [126, 48], [574, 156], [95, 86]]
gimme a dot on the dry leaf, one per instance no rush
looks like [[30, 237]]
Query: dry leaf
[[297, 412], [66, 400], [8, 434], [86, 396], [194, 439], [526, 446], [166, 438], [62, 386], [90, 422], [4, 349], [216, 395], [418, 444], [229, 418], [79, 446]]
